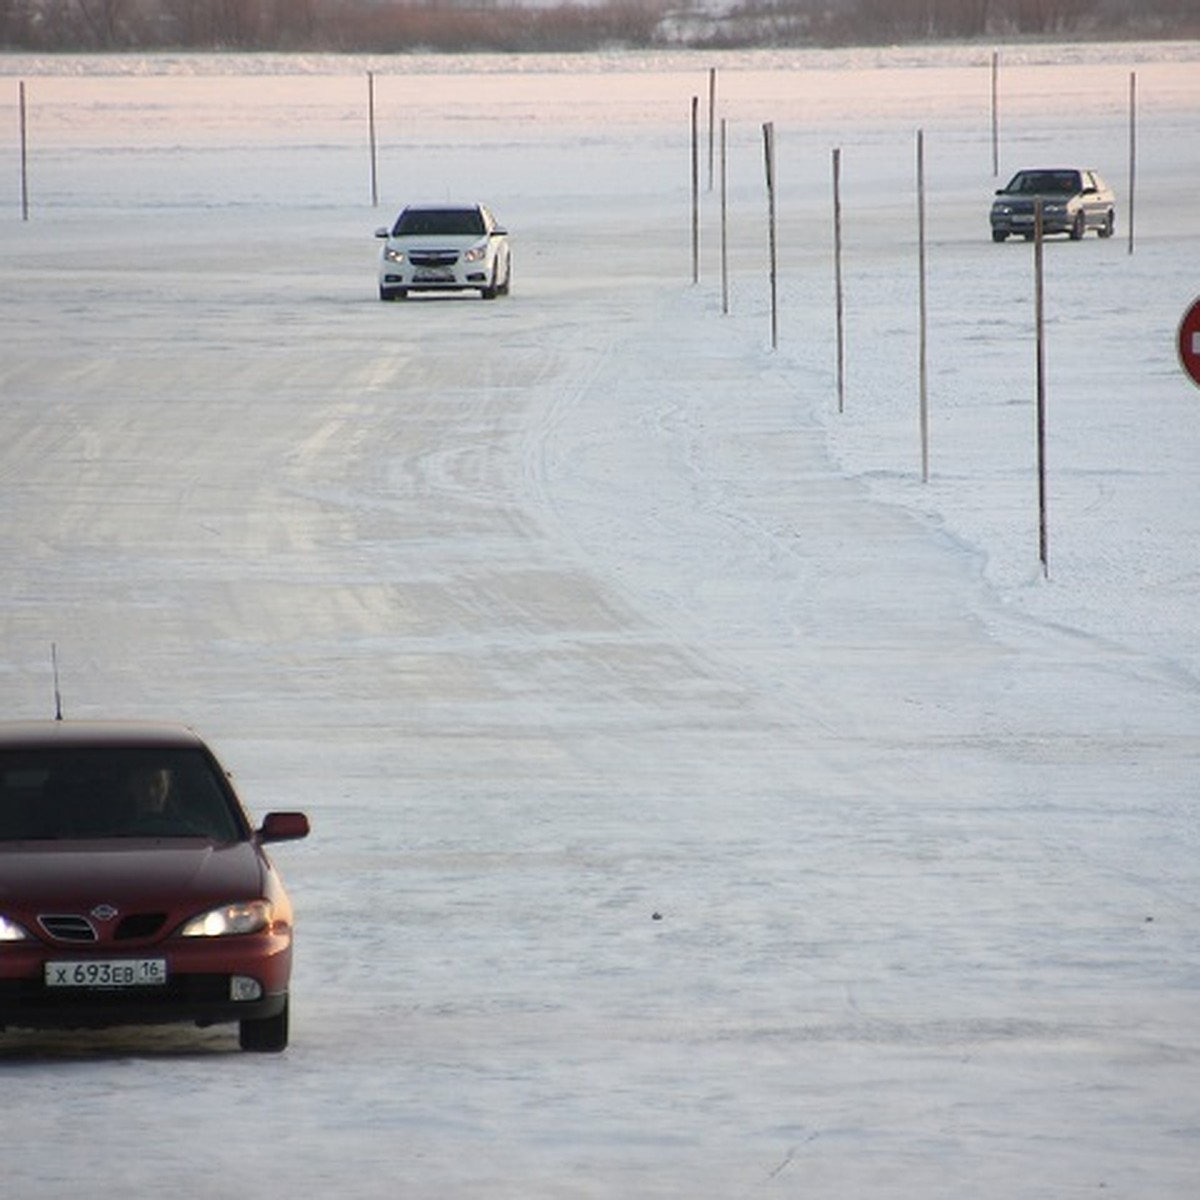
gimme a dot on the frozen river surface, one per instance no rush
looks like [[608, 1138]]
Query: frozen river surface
[[704, 805]]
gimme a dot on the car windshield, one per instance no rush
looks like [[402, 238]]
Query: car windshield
[[454, 221], [95, 792], [1064, 183]]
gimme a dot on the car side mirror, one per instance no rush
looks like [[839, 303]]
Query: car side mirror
[[283, 827], [499, 233], [383, 232]]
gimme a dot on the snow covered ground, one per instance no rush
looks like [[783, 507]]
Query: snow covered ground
[[704, 805]]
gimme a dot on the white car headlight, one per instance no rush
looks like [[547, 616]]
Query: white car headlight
[[230, 919], [476, 253], [10, 931], [391, 254]]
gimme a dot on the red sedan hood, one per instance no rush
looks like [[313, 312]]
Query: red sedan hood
[[127, 875]]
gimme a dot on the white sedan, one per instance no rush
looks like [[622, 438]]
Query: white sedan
[[444, 248]]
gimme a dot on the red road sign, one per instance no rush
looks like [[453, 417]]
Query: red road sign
[[1188, 342]]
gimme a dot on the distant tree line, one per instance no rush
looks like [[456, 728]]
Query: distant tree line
[[391, 26], [976, 18]]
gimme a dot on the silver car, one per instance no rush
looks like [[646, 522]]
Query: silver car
[[444, 248], [1073, 201]]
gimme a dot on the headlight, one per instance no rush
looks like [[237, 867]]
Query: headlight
[[10, 931], [476, 253], [391, 254], [230, 919]]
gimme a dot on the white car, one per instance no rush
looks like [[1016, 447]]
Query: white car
[[444, 248]]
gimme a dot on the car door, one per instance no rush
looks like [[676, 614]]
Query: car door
[[1094, 203]]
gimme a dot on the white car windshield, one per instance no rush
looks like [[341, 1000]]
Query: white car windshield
[[450, 221]]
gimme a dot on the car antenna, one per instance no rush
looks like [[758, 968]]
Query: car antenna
[[57, 694]]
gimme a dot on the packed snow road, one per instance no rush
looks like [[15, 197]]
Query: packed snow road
[[702, 806]]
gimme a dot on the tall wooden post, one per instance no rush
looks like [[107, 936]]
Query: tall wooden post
[[1040, 322], [839, 307], [724, 222], [923, 316], [1132, 152], [769, 163], [371, 124], [695, 190], [24, 158], [995, 112]]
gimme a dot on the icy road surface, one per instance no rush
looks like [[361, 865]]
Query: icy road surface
[[704, 806]]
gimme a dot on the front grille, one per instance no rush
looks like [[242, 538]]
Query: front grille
[[433, 258], [68, 928], [63, 927]]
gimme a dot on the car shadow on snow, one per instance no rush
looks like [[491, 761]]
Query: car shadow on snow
[[100, 1045]]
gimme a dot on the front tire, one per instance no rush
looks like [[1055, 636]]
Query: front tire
[[1079, 227], [392, 293], [998, 235], [1110, 224], [266, 1035]]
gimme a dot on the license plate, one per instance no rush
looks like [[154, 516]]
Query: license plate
[[434, 275], [108, 973]]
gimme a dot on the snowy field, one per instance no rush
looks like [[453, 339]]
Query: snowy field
[[704, 805]]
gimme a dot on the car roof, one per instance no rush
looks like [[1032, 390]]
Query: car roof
[[443, 206], [1059, 170], [31, 735]]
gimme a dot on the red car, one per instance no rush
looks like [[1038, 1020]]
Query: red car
[[133, 888]]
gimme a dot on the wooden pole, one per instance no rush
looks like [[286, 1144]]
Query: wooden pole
[[839, 307], [1132, 152], [371, 123], [695, 190], [24, 158], [769, 162], [995, 113], [1040, 322], [923, 319], [724, 222]]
